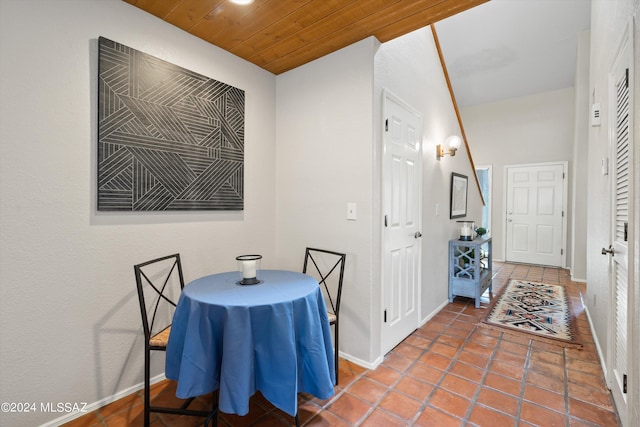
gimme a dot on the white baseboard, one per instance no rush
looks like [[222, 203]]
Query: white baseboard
[[434, 312], [577, 279], [379, 359], [363, 363], [603, 362], [100, 403]]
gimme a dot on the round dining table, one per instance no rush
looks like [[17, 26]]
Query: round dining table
[[273, 337]]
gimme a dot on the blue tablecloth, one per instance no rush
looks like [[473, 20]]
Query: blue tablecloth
[[273, 337]]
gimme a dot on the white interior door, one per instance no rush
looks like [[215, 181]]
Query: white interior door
[[402, 177], [621, 207], [536, 202]]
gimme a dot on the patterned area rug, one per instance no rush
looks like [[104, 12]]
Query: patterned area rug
[[538, 309]]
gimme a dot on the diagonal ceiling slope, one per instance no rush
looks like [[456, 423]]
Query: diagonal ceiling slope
[[280, 35]]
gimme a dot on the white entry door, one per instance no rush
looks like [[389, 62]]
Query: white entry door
[[621, 205], [536, 201], [402, 177]]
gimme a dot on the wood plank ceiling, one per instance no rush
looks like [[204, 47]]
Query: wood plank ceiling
[[280, 35]]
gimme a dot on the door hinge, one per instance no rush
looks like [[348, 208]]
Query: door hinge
[[624, 383], [562, 175], [386, 222], [385, 316], [561, 251], [386, 125], [562, 214], [626, 231], [626, 78]]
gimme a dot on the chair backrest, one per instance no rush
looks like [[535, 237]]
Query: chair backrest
[[159, 282], [329, 271]]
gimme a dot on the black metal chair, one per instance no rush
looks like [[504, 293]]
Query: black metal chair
[[329, 271], [160, 282]]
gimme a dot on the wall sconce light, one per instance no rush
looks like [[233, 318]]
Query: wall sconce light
[[450, 146]]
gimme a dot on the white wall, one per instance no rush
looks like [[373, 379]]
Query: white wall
[[409, 67], [609, 22], [324, 161], [580, 171], [70, 323], [530, 129]]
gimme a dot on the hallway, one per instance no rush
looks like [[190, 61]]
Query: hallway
[[449, 372]]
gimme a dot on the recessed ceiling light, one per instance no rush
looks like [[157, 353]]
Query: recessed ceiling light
[[243, 2]]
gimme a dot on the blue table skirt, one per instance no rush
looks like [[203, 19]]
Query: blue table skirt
[[273, 337]]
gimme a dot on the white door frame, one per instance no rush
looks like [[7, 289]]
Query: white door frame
[[565, 165], [489, 169]]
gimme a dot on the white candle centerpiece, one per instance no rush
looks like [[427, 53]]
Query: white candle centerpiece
[[248, 265], [465, 229]]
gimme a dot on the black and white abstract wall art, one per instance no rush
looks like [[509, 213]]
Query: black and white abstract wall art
[[169, 139]]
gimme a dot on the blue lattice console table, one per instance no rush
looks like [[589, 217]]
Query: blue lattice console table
[[469, 268]]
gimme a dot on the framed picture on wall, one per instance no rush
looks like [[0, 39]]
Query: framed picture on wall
[[169, 139], [458, 195]]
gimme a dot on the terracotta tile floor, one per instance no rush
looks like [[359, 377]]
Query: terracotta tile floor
[[449, 372]]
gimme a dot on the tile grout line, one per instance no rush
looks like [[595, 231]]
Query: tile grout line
[[460, 349], [523, 386], [436, 386], [525, 371], [337, 396], [485, 373], [373, 405], [566, 388], [403, 374], [416, 361], [529, 355], [455, 358], [391, 387], [486, 370]]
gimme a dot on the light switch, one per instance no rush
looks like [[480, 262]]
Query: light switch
[[351, 212]]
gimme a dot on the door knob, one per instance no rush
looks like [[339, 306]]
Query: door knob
[[417, 235], [608, 251]]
